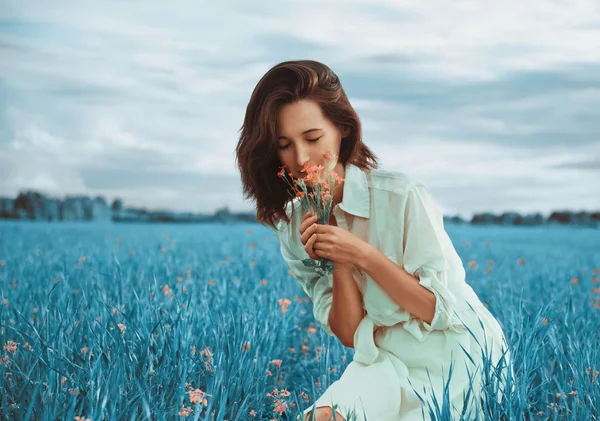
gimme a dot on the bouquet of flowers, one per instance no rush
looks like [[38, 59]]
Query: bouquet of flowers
[[318, 200]]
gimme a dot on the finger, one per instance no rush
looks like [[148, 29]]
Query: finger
[[309, 247], [308, 233], [323, 228], [317, 247], [306, 215], [307, 223]]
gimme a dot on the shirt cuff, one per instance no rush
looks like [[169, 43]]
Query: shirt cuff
[[444, 317]]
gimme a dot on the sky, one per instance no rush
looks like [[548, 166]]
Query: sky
[[495, 106]]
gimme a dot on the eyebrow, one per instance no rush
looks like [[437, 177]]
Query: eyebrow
[[304, 132]]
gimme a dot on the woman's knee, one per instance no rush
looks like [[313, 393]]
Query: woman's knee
[[324, 413]]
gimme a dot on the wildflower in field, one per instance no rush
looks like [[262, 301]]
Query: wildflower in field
[[5, 302], [304, 396], [198, 396], [280, 406], [185, 411], [276, 363], [82, 419], [11, 347], [166, 291], [319, 200], [284, 304], [84, 350], [206, 352], [594, 373], [122, 327]]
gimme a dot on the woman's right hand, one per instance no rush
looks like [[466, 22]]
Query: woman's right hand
[[308, 228]]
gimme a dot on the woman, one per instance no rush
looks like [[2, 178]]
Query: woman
[[398, 294]]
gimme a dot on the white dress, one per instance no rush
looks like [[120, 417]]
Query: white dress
[[393, 349]]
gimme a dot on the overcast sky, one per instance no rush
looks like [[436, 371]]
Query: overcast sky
[[494, 105]]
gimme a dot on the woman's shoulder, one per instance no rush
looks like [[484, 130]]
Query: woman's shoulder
[[394, 181]]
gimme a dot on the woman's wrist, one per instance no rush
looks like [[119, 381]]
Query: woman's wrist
[[343, 267]]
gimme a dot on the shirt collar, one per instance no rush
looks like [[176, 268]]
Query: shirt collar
[[356, 198]]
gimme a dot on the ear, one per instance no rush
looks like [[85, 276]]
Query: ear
[[345, 132]]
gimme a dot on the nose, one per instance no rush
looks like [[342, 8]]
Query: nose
[[302, 157]]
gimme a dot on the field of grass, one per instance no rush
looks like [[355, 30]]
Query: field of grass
[[204, 322]]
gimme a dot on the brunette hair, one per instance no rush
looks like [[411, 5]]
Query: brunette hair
[[256, 151]]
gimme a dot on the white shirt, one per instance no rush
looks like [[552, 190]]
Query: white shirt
[[396, 214]]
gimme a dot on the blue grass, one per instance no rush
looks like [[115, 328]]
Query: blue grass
[[218, 328]]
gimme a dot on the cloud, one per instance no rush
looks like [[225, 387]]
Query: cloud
[[494, 105]]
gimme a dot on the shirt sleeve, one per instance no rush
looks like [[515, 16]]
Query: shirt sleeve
[[423, 255], [318, 288]]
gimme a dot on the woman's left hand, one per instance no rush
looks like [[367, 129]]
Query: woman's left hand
[[338, 245]]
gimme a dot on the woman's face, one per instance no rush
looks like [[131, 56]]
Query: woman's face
[[305, 134]]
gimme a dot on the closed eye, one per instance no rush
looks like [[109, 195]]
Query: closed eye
[[308, 140]]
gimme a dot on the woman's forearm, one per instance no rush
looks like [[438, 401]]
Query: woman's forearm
[[347, 306]]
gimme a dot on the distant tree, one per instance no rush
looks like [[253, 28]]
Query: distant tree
[[117, 205], [564, 217]]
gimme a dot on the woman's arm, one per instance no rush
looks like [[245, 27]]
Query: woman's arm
[[347, 308]]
